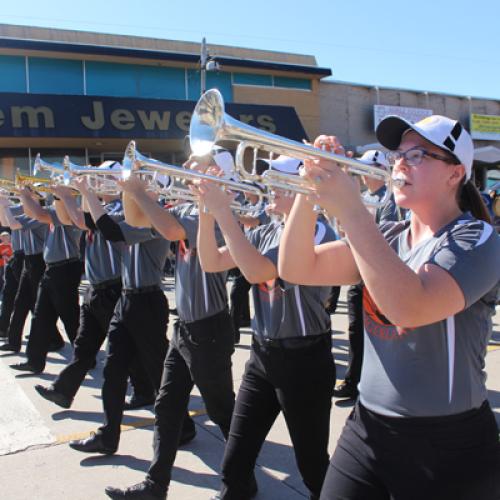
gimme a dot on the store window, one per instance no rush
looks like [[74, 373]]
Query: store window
[[292, 83], [12, 74], [249, 79], [55, 76], [218, 80], [129, 80]]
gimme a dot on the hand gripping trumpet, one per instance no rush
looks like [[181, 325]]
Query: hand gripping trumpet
[[135, 162], [210, 124]]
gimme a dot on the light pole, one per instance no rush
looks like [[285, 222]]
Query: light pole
[[207, 63]]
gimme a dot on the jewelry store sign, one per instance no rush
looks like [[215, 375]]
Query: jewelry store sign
[[413, 115], [485, 127], [43, 115]]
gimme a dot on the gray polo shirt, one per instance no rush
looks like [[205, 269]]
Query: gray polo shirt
[[103, 258], [34, 234], [143, 256], [16, 235], [198, 295], [436, 369], [282, 309], [63, 241]]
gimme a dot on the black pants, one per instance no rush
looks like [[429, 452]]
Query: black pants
[[33, 269], [138, 330], [355, 312], [453, 457], [299, 382], [240, 307], [95, 315], [57, 298], [200, 353], [12, 277]]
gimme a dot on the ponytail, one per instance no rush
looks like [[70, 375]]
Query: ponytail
[[470, 200]]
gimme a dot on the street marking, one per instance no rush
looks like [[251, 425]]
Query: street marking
[[135, 424]]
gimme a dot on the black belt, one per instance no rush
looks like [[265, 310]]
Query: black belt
[[292, 342], [106, 284], [51, 265], [142, 289]]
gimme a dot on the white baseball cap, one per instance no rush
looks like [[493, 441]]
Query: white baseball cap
[[374, 157], [109, 164], [285, 164], [445, 133]]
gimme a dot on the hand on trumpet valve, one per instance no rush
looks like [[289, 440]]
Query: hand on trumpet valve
[[81, 184], [134, 184], [213, 198], [62, 191], [335, 190]]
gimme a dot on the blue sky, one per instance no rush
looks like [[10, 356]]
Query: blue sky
[[429, 45]]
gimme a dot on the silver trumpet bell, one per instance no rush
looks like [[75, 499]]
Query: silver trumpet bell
[[58, 171], [210, 124]]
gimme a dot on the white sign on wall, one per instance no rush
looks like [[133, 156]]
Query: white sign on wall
[[413, 115]]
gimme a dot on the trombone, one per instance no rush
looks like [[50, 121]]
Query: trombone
[[210, 124]]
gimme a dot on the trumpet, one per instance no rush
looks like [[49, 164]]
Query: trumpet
[[96, 176], [135, 162], [210, 124], [58, 171], [38, 184], [8, 189]]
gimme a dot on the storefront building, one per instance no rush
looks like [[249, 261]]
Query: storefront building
[[88, 94]]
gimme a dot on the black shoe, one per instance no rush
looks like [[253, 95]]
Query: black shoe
[[92, 444], [253, 490], [9, 347], [51, 394], [56, 346], [26, 367], [146, 490], [187, 436], [133, 402], [346, 390]]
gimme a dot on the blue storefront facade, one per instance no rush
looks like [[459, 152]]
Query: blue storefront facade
[[88, 100]]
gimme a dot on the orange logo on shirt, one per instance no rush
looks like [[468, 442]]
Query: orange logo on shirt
[[186, 253], [270, 291], [376, 323]]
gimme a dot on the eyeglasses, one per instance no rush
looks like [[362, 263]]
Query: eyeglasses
[[414, 156]]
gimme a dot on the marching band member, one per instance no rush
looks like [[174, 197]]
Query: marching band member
[[291, 367], [422, 427], [137, 331], [33, 236], [57, 294], [201, 346], [12, 277], [103, 270]]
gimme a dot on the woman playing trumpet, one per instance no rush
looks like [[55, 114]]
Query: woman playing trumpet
[[422, 427]]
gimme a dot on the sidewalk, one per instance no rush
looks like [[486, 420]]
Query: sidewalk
[[37, 463]]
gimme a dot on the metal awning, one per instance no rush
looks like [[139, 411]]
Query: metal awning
[[487, 154]]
